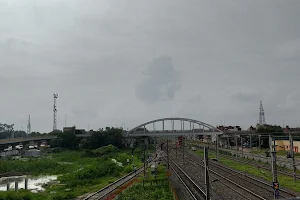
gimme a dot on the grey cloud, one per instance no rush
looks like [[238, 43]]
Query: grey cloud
[[84, 112], [92, 53], [160, 82], [245, 97]]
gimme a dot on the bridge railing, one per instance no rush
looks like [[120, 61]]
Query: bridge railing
[[12, 140]]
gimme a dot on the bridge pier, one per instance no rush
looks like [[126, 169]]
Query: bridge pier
[[26, 183], [16, 186]]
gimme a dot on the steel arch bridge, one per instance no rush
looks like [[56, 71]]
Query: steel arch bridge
[[196, 128]]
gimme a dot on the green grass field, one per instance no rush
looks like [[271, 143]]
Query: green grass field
[[79, 172]]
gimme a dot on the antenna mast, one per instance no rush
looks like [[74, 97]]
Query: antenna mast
[[28, 126], [262, 119], [55, 96]]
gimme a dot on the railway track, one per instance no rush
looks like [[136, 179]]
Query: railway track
[[280, 171], [104, 192], [190, 185], [244, 192], [223, 186], [244, 180]]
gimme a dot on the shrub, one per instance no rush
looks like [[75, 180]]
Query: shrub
[[88, 154]]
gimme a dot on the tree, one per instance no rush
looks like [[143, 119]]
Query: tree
[[105, 137], [6, 130], [269, 129], [65, 140], [55, 132], [68, 140]]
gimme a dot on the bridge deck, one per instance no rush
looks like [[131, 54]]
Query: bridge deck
[[168, 133]]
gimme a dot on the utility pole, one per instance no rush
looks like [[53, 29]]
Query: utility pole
[[236, 146], [176, 146], [207, 186], [274, 168], [251, 140], [65, 120], [144, 158], [183, 142], [217, 146], [228, 142], [242, 147], [168, 153], [293, 156], [259, 142]]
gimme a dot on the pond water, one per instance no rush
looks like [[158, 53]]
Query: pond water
[[34, 183]]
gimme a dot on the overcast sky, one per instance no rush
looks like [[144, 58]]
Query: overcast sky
[[116, 62]]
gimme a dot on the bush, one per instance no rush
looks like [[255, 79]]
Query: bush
[[20, 195], [88, 154], [90, 173], [106, 150]]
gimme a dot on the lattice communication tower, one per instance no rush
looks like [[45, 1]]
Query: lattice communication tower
[[55, 96], [262, 119]]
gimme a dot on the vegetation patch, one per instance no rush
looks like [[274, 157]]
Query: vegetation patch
[[79, 172], [151, 188], [147, 192]]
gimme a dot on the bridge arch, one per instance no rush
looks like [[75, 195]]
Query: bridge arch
[[204, 128]]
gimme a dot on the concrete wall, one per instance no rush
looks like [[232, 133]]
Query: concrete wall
[[284, 145], [9, 153]]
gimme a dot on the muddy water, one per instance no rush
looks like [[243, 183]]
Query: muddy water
[[34, 183]]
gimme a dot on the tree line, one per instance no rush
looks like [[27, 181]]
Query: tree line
[[99, 138]]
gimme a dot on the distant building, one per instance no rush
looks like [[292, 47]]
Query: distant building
[[80, 131], [69, 129], [252, 129], [229, 128], [287, 129], [74, 130], [284, 145]]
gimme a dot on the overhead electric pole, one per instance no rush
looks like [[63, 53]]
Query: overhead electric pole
[[293, 155], [274, 167], [207, 185]]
